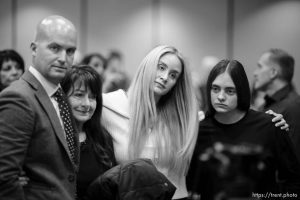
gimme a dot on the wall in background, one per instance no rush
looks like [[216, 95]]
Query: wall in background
[[260, 25], [228, 28]]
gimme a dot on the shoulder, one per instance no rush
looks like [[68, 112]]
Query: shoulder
[[17, 91], [262, 122], [116, 101], [112, 98], [259, 118]]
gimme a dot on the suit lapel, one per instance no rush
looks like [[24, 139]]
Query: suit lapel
[[47, 105]]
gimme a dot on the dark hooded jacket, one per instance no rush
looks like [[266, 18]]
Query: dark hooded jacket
[[134, 180]]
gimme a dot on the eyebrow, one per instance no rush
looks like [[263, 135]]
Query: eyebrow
[[229, 87], [173, 70]]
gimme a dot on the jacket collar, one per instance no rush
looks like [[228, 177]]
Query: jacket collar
[[117, 102]]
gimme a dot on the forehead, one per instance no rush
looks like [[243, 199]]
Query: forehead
[[172, 61], [80, 85], [10, 62], [223, 80], [265, 59], [63, 38]]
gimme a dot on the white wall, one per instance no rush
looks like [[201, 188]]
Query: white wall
[[196, 27], [6, 24], [124, 25], [260, 25]]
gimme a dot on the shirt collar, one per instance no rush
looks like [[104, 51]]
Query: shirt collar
[[281, 94], [47, 85], [277, 96]]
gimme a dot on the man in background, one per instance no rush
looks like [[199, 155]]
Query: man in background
[[273, 76]]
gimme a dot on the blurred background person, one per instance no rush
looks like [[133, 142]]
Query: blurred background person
[[115, 76], [82, 84], [273, 76], [257, 98], [95, 60], [11, 67]]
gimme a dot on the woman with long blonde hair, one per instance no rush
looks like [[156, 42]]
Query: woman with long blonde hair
[[157, 117]]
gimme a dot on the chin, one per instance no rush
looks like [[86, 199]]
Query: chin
[[221, 110], [82, 119]]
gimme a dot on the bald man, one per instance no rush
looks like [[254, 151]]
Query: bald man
[[33, 140]]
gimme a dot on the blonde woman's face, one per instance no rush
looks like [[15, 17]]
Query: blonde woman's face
[[168, 71]]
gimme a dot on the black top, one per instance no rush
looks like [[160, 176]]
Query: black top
[[90, 168], [256, 131], [136, 179], [287, 102]]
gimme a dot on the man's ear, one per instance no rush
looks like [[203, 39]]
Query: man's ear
[[33, 48], [274, 72]]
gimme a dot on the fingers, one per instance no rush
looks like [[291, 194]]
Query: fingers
[[282, 122], [278, 117], [270, 112], [283, 125], [23, 180]]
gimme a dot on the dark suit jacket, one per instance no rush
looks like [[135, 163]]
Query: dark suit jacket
[[32, 142]]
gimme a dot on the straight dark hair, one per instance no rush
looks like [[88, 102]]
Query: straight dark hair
[[238, 75], [96, 134], [10, 54]]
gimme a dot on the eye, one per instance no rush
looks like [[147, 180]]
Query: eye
[[18, 67], [173, 76], [78, 94], [161, 67], [54, 48], [215, 89], [92, 97], [231, 91], [6, 68], [71, 51]]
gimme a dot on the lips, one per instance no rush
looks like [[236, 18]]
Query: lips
[[160, 84], [83, 112], [220, 105], [60, 67]]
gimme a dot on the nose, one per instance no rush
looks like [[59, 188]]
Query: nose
[[14, 71], [85, 101], [221, 96], [62, 57], [164, 76]]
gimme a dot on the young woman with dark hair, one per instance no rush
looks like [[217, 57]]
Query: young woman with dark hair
[[82, 85], [230, 123]]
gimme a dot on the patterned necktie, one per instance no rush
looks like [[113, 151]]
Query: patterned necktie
[[65, 114]]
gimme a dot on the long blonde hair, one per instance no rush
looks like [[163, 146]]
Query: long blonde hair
[[173, 119]]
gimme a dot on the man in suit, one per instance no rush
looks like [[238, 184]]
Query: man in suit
[[33, 139]]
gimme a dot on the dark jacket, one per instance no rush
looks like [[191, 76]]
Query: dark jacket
[[32, 140], [134, 180]]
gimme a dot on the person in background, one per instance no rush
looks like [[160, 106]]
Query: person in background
[[95, 60], [115, 76], [229, 121], [11, 67], [273, 76], [38, 139], [157, 117], [82, 84]]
